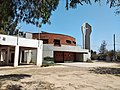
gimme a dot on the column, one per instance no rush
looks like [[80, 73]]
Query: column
[[16, 56], [39, 55], [20, 56], [8, 55], [1, 57]]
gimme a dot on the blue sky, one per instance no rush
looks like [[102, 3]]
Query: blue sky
[[103, 20]]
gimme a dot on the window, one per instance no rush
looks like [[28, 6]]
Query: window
[[68, 41], [74, 42], [56, 42], [45, 41]]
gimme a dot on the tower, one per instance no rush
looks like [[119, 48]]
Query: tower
[[86, 31]]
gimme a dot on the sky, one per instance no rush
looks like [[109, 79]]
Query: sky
[[103, 20]]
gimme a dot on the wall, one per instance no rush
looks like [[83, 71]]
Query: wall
[[48, 51], [79, 57], [51, 38], [86, 56], [13, 40]]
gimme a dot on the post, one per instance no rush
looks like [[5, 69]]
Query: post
[[114, 56], [38, 36], [8, 55]]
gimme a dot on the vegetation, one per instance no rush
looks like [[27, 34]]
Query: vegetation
[[89, 61], [94, 55], [106, 70], [48, 61], [102, 51], [36, 12], [105, 54]]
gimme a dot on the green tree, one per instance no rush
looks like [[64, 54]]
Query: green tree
[[93, 55], [103, 49], [36, 12]]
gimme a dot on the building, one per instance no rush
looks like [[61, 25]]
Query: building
[[61, 47], [86, 31], [15, 50], [29, 48]]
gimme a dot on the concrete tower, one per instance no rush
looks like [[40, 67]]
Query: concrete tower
[[86, 31]]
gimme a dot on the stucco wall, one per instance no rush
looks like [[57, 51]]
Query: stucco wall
[[48, 50], [13, 40]]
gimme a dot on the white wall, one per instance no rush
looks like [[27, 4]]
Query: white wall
[[12, 40], [8, 40], [86, 56], [48, 51], [51, 47]]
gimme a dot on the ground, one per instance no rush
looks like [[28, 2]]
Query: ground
[[70, 76]]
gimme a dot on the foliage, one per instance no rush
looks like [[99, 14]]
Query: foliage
[[48, 61], [118, 55], [2, 32], [94, 55], [103, 49], [74, 3], [36, 12], [89, 61]]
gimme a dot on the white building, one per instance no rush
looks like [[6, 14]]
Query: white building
[[12, 49]]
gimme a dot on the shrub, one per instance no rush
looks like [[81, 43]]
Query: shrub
[[47, 61], [89, 61]]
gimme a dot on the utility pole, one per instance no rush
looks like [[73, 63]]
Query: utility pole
[[114, 57]]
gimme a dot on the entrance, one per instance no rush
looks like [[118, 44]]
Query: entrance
[[60, 57]]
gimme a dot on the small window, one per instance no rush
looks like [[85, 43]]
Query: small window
[[45, 41], [56, 42], [68, 41], [74, 42]]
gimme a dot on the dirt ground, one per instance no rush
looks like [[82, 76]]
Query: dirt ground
[[60, 77]]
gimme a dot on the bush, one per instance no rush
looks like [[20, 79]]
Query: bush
[[89, 61], [47, 61]]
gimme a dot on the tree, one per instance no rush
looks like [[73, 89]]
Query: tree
[[103, 49], [94, 55], [36, 12]]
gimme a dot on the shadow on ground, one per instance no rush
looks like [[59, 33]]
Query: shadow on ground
[[106, 70], [13, 77]]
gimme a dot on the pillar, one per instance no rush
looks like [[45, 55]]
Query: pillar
[[20, 56], [1, 56], [39, 55], [16, 56], [8, 55]]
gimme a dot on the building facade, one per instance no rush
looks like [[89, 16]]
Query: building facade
[[13, 49], [61, 47]]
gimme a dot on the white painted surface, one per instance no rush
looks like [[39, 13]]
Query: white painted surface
[[39, 56], [48, 51], [8, 40], [12, 40], [28, 42], [51, 47], [16, 56], [22, 42]]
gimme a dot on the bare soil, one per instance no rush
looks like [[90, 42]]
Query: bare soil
[[60, 78]]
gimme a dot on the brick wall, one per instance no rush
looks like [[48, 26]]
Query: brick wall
[[51, 38]]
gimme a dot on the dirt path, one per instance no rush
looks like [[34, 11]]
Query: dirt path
[[57, 78]]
